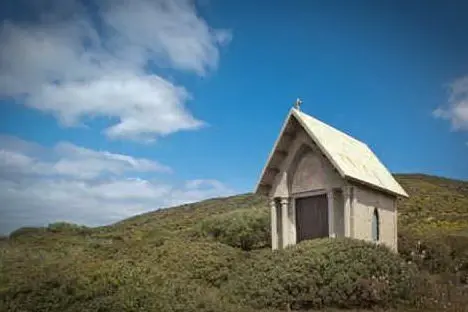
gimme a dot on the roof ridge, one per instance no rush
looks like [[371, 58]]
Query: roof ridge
[[329, 126]]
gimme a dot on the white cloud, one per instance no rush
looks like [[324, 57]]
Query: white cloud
[[165, 30], [144, 104], [84, 186], [456, 110], [85, 163], [66, 159], [80, 70]]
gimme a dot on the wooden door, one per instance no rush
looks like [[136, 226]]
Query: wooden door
[[311, 217]]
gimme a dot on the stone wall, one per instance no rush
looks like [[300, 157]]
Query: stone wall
[[364, 203]]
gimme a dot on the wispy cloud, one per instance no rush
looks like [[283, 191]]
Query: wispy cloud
[[66, 159], [456, 110], [75, 184], [76, 62]]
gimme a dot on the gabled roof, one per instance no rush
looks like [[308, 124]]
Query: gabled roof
[[353, 159]]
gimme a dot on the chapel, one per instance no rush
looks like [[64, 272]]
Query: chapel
[[324, 183]]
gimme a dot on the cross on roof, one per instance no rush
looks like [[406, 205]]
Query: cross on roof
[[298, 103]]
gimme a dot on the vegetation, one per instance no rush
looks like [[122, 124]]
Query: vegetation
[[433, 225], [246, 228], [322, 273], [436, 204], [215, 256]]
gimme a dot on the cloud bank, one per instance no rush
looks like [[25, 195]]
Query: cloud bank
[[69, 183], [79, 62]]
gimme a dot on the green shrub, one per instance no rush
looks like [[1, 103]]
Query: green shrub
[[178, 295], [246, 229], [436, 253], [432, 293], [168, 283], [428, 253], [65, 227], [207, 262], [313, 274], [27, 231]]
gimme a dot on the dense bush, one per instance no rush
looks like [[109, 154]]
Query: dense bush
[[246, 229], [176, 276], [205, 262], [429, 254], [438, 293], [436, 252], [58, 227], [112, 286], [27, 232], [65, 227], [314, 274]]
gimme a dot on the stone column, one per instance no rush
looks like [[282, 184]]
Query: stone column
[[292, 222], [285, 221], [274, 224], [347, 210], [331, 214]]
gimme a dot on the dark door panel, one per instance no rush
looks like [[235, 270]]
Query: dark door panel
[[311, 217]]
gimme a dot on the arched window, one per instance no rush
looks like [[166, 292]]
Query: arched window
[[375, 226]]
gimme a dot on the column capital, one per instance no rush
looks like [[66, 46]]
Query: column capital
[[284, 200], [347, 190]]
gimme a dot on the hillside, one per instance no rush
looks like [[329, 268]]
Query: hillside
[[214, 256], [435, 204]]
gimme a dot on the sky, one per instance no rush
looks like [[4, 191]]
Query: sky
[[113, 108]]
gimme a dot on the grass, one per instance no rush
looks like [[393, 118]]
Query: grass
[[193, 258]]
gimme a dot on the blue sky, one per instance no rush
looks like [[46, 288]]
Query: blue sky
[[113, 108]]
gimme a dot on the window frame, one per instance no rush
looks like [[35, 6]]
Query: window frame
[[376, 219]]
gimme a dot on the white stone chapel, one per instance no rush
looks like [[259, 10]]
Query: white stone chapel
[[324, 183]]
